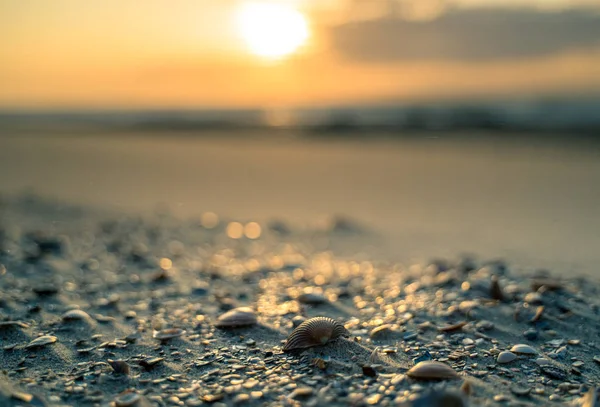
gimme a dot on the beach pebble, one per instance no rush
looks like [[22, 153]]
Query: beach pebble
[[543, 361], [76, 315], [506, 357], [520, 391], [530, 334], [297, 320], [523, 349], [169, 333]]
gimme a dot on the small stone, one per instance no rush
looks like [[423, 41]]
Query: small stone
[[297, 320], [530, 334], [553, 372], [311, 298], [533, 298], [520, 391], [506, 357], [543, 361]]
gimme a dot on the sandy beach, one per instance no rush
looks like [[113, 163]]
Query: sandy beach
[[127, 269]]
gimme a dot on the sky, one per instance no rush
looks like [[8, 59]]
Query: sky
[[192, 54]]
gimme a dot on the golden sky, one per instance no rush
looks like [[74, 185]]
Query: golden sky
[[191, 53]]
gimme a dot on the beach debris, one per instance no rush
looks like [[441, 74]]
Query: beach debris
[[553, 372], [311, 298], [148, 364], [423, 357], [495, 290], [531, 334], [369, 371], [41, 341], [432, 370], [315, 332], [454, 327], [168, 333], [320, 363], [506, 357], [520, 391], [76, 315], [547, 284], [119, 366], [237, 317], [533, 298], [538, 314], [523, 349]]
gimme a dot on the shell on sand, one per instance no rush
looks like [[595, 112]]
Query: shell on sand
[[169, 333], [41, 341], [506, 357], [590, 399], [315, 332], [311, 298], [432, 370], [523, 349], [242, 316], [76, 315]]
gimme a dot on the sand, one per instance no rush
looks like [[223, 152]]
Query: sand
[[134, 276]]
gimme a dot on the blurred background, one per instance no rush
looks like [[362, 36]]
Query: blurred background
[[443, 126]]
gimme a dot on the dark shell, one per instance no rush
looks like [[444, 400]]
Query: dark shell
[[119, 366], [315, 332]]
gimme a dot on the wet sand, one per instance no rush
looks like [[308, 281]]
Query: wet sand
[[109, 298]]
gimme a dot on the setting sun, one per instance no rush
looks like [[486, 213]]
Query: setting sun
[[272, 30]]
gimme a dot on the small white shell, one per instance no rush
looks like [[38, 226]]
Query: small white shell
[[506, 357], [523, 349], [315, 332], [237, 317], [432, 370]]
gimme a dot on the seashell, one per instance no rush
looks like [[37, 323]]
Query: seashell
[[369, 371], [495, 290], [523, 349], [538, 314], [148, 364], [76, 315], [320, 363], [315, 332], [432, 370], [119, 366], [454, 327], [169, 333], [127, 399], [12, 324], [311, 298], [533, 298], [41, 341], [242, 316], [506, 357]]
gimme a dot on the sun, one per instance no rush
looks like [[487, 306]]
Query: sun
[[272, 30]]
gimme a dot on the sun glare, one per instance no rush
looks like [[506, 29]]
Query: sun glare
[[272, 30]]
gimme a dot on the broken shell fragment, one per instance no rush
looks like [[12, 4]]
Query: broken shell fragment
[[41, 341], [432, 370], [119, 366], [237, 317], [315, 332], [169, 333]]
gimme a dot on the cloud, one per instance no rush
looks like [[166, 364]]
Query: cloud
[[484, 34]]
